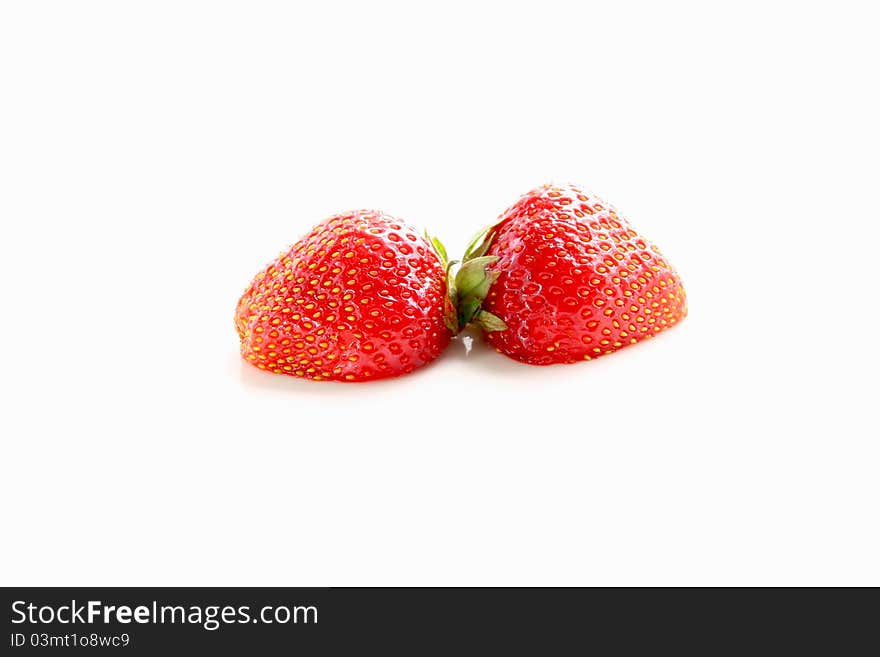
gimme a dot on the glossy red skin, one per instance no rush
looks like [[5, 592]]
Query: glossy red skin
[[576, 280], [357, 299]]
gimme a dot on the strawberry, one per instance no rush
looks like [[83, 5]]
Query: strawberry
[[361, 297], [562, 277]]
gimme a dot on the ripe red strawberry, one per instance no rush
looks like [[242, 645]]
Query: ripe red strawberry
[[574, 280], [361, 297]]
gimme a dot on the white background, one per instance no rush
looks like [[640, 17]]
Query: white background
[[154, 156]]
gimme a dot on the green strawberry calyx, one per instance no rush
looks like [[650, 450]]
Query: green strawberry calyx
[[467, 288]]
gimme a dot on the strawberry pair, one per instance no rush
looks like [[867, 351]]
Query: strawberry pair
[[559, 277]]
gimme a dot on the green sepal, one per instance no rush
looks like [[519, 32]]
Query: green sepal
[[450, 315], [472, 286], [489, 322], [480, 243], [439, 248], [473, 273], [469, 287], [450, 301], [477, 246]]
